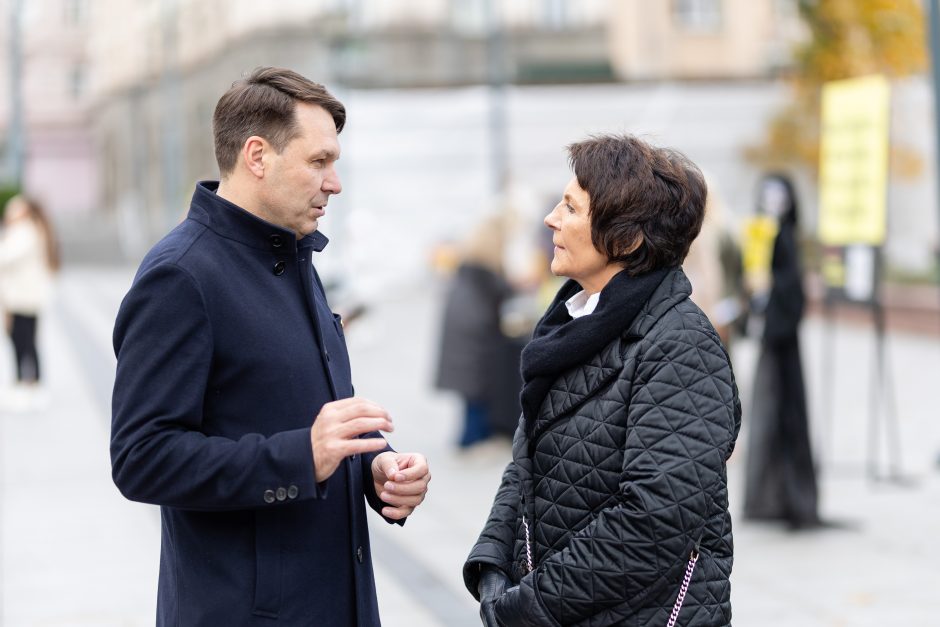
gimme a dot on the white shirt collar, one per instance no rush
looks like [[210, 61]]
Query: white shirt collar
[[582, 304]]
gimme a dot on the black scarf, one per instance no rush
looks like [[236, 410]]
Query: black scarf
[[560, 342]]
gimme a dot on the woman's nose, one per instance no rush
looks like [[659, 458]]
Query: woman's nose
[[550, 220]]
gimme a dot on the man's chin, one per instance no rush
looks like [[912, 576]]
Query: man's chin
[[308, 229]]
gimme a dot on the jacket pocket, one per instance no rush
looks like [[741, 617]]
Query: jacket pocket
[[267, 564]]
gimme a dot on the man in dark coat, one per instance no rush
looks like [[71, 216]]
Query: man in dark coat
[[233, 404]]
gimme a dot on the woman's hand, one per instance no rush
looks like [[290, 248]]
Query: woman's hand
[[493, 584]]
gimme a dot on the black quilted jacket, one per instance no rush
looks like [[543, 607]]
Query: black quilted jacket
[[622, 478]]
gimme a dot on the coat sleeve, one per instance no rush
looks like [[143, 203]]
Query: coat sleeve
[[159, 454], [682, 421], [495, 545]]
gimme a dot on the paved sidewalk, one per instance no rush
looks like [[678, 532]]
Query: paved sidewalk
[[73, 552]]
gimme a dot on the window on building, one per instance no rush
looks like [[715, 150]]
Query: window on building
[[697, 15]]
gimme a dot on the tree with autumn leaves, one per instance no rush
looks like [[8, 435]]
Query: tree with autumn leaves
[[846, 39]]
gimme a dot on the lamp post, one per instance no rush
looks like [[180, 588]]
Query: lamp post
[[496, 80], [16, 132], [934, 36]]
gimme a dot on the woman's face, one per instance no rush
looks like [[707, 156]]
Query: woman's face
[[575, 254]]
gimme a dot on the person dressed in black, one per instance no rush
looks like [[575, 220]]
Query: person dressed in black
[[780, 481], [475, 358], [614, 508]]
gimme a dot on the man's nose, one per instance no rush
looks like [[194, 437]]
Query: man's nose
[[331, 183]]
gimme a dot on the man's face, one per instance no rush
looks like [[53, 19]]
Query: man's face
[[298, 182]]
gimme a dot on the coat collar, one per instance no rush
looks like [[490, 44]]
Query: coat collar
[[232, 222], [582, 382], [674, 289]]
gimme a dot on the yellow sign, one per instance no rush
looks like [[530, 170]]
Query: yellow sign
[[853, 161], [757, 251]]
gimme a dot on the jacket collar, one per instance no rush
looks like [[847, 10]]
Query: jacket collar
[[674, 289], [582, 382], [232, 222]]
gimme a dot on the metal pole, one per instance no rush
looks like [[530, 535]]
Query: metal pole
[[172, 153], [934, 35], [496, 79], [15, 147]]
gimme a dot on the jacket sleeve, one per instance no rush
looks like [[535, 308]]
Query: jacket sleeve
[[159, 454], [495, 544], [681, 424]]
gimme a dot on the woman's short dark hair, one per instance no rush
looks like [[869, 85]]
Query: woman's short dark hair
[[262, 104], [639, 191]]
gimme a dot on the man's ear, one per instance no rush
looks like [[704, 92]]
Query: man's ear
[[253, 152]]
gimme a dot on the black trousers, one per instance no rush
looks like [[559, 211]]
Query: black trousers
[[23, 334]]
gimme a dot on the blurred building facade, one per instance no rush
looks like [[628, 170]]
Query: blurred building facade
[[58, 163], [160, 65], [119, 95], [703, 39]]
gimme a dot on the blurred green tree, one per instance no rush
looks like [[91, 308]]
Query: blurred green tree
[[846, 39], [6, 193]]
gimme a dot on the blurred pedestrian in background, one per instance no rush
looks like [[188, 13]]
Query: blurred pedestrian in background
[[617, 489], [29, 258], [715, 270], [780, 477], [233, 402], [475, 358]]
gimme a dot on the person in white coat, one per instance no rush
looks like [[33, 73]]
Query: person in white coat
[[28, 260]]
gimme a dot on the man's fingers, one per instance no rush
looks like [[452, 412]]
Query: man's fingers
[[360, 426], [397, 513], [359, 446], [399, 500], [351, 408], [360, 409], [406, 489], [417, 470]]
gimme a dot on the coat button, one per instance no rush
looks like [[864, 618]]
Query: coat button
[[292, 492], [281, 494], [269, 496], [279, 268], [359, 554], [277, 241]]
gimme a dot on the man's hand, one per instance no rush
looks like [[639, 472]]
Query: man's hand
[[335, 433], [401, 481]]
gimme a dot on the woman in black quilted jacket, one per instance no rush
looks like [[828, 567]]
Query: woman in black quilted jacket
[[614, 510]]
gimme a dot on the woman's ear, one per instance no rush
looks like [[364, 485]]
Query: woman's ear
[[632, 247]]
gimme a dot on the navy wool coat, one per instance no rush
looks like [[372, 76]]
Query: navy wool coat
[[226, 351]]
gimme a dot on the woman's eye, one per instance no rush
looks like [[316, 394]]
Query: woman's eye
[[570, 208]]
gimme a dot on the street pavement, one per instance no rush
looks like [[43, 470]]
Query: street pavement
[[73, 552]]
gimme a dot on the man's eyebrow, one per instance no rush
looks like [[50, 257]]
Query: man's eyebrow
[[325, 154]]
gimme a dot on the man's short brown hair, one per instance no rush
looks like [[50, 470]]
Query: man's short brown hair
[[262, 104], [639, 192]]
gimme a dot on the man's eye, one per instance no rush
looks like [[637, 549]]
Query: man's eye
[[570, 208]]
